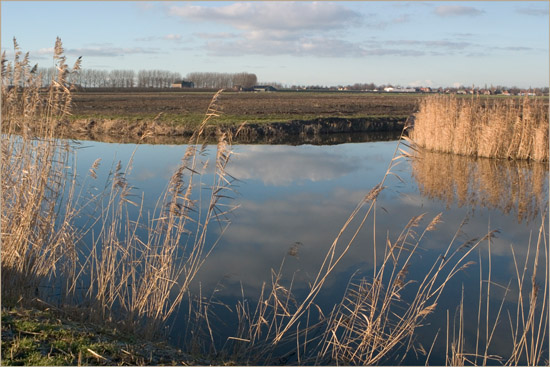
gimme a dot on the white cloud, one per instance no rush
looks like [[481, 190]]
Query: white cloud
[[219, 35], [533, 11], [288, 28], [402, 19], [514, 48], [145, 5], [436, 43], [45, 51], [319, 46], [457, 10], [282, 28], [168, 37], [272, 15], [172, 37], [110, 51], [463, 35]]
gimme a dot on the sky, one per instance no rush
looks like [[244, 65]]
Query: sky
[[406, 43]]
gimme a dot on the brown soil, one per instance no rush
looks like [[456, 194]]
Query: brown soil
[[271, 116], [246, 103]]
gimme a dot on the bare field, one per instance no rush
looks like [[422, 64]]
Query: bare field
[[272, 106], [275, 114]]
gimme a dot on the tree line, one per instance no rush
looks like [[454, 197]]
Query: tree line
[[94, 78], [222, 80]]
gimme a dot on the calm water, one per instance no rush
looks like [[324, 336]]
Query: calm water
[[301, 196]]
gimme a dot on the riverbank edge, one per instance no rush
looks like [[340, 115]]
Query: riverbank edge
[[45, 336], [119, 127]]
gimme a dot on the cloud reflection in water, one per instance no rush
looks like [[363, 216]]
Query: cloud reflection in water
[[280, 166]]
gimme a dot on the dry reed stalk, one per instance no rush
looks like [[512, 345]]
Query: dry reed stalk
[[336, 250], [37, 186], [141, 279], [476, 126], [134, 270], [528, 325], [530, 329], [457, 355], [252, 343], [372, 321]]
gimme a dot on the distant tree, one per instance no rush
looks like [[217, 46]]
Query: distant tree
[[222, 80], [514, 90], [276, 85], [47, 74]]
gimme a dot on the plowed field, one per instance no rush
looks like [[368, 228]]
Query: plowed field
[[268, 106]]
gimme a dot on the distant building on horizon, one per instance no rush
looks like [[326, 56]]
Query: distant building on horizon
[[264, 88], [399, 90], [183, 84]]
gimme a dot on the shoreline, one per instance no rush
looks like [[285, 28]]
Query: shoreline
[[313, 131]]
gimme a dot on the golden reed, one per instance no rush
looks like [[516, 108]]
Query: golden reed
[[508, 128]]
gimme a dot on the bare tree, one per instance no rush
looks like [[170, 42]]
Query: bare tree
[[222, 80]]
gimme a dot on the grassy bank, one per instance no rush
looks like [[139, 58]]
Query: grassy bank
[[32, 337], [512, 128]]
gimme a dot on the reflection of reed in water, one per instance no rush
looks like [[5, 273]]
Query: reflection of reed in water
[[517, 186]]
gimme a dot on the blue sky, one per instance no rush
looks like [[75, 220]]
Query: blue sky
[[408, 43]]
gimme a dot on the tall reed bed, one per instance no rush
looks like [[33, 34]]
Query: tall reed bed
[[132, 269], [37, 186], [485, 127]]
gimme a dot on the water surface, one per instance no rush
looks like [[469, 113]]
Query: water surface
[[299, 197]]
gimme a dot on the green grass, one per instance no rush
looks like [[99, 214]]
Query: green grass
[[46, 338]]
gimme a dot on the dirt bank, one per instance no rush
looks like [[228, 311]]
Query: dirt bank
[[295, 130]]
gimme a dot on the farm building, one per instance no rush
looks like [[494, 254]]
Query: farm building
[[264, 88], [183, 84], [256, 88]]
